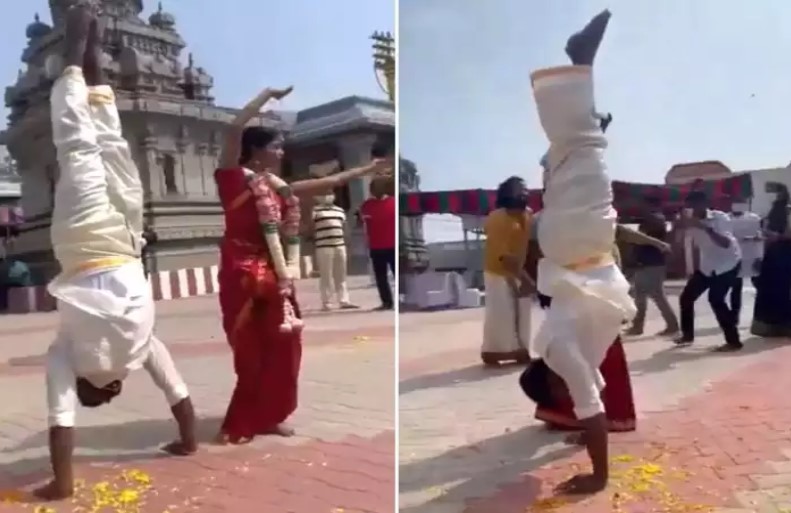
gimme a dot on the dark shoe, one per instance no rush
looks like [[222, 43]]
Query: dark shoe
[[667, 332], [684, 341], [383, 308], [633, 332], [729, 348]]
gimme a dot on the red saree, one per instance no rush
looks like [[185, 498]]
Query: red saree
[[617, 397], [266, 360]]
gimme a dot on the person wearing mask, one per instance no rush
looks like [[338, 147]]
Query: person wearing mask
[[378, 213], [329, 239], [720, 258], [747, 230]]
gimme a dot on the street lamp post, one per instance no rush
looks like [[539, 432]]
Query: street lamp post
[[384, 62]]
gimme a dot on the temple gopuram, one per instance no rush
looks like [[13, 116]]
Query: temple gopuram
[[175, 132]]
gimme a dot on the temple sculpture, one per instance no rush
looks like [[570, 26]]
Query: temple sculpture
[[175, 131], [413, 254]]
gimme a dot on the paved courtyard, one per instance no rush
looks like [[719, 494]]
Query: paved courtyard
[[714, 430], [341, 461]]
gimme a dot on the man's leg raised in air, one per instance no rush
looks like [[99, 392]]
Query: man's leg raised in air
[[81, 193], [123, 177]]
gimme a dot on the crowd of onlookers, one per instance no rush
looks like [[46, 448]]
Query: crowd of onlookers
[[722, 250]]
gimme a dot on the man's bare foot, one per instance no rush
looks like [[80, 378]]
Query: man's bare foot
[[225, 439], [282, 430], [53, 491], [583, 45], [78, 26], [179, 448], [583, 484]]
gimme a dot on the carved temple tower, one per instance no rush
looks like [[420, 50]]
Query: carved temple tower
[[174, 130]]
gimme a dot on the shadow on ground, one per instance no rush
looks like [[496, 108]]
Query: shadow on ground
[[130, 441], [673, 356], [463, 473], [470, 374]]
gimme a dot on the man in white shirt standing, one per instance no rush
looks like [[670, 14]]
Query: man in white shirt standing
[[105, 302], [329, 239], [748, 233], [720, 260]]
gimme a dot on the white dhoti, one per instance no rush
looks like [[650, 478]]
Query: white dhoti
[[506, 324], [590, 295], [105, 302]]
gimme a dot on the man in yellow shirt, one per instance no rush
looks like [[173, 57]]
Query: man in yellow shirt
[[506, 328]]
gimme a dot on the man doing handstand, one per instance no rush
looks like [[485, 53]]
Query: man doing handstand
[[590, 296], [105, 302]]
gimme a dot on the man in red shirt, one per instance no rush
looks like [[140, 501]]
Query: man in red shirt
[[379, 215]]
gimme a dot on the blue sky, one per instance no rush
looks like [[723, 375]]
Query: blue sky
[[320, 47], [685, 80]]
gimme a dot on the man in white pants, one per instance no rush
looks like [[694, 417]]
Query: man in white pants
[[105, 302], [329, 238], [590, 296]]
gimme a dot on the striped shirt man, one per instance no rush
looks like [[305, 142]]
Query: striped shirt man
[[330, 243], [328, 226]]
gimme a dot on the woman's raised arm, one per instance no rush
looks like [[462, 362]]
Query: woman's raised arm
[[232, 146], [316, 186]]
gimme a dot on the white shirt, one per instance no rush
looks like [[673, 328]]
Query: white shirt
[[106, 331], [746, 227], [716, 260]]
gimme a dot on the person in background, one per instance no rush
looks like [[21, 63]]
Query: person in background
[[329, 239], [747, 230], [772, 314], [378, 213], [506, 325], [651, 272], [718, 269]]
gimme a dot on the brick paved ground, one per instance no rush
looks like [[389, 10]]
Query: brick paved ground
[[342, 460], [714, 430]]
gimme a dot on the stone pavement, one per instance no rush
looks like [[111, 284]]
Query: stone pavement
[[714, 431], [341, 461]]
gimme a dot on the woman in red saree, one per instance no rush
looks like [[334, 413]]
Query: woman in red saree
[[261, 315], [556, 408]]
